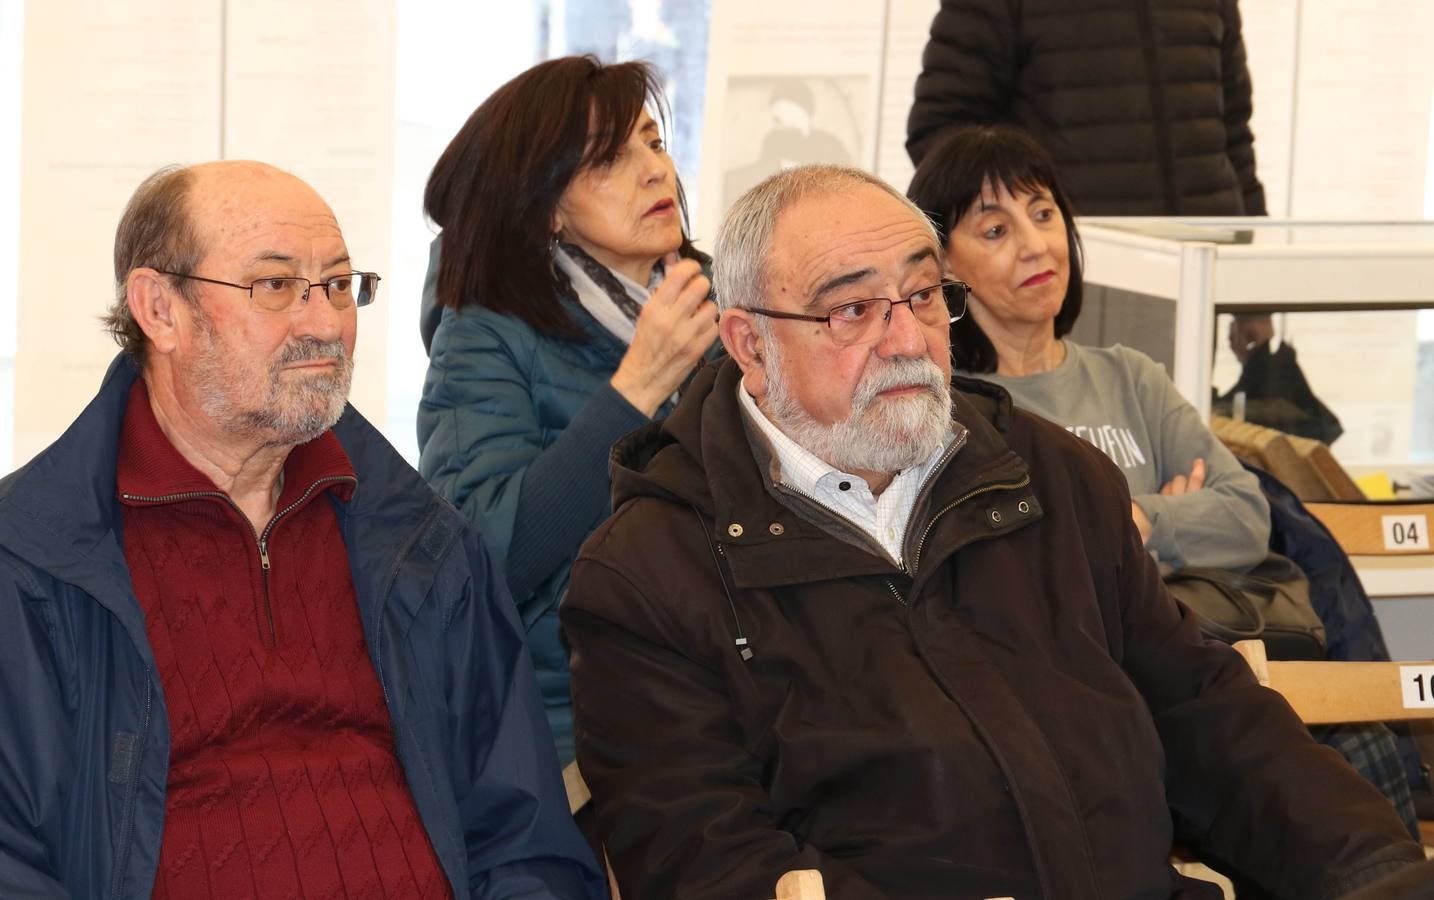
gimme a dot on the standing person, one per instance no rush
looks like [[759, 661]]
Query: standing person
[[247, 651], [567, 308], [1145, 105], [856, 615]]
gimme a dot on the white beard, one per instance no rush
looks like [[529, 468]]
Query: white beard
[[879, 435], [276, 412]]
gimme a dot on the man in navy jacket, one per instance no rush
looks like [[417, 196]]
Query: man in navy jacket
[[246, 650]]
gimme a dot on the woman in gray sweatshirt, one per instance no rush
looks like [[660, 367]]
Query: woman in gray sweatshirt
[[994, 196]]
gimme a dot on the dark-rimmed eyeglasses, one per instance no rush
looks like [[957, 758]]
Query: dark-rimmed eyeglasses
[[861, 321], [283, 294]]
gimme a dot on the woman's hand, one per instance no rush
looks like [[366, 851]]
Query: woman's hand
[[1186, 484], [1142, 522], [676, 326], [1180, 484]]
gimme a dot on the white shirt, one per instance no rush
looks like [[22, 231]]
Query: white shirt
[[884, 519]]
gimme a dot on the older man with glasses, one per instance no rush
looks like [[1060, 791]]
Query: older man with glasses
[[247, 652], [854, 615]]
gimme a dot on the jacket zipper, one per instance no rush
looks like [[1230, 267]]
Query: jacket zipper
[[1164, 161], [895, 593], [133, 788], [936, 470], [931, 523], [260, 540]]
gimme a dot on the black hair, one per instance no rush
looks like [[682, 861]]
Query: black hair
[[496, 186], [947, 185]]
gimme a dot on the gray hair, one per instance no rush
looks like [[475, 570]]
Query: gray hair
[[745, 239], [156, 230]]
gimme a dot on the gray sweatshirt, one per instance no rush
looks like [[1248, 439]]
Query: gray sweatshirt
[[1122, 401]]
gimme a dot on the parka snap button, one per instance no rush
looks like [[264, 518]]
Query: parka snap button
[[995, 516], [776, 528], [1024, 507], [734, 530]]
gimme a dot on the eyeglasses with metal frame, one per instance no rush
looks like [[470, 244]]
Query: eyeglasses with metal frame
[[282, 293], [860, 321]]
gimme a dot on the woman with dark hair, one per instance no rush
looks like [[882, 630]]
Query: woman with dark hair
[[565, 308], [1009, 233]]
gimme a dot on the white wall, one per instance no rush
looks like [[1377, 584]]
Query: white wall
[[11, 42], [112, 89], [450, 56]]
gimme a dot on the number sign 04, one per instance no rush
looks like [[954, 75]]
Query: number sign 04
[[1406, 532]]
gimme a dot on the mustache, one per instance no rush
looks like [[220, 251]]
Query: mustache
[[903, 371], [305, 349]]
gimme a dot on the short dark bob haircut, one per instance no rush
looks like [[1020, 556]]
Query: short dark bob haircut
[[496, 186], [947, 185]]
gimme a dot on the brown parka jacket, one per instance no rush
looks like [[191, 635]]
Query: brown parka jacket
[[1019, 710]]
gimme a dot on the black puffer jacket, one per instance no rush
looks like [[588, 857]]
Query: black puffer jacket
[[1144, 104]]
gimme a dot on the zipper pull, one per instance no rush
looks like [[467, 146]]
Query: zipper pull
[[264, 555]]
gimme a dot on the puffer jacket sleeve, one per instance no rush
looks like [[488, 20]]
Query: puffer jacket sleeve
[[482, 447], [520, 837], [682, 811], [1225, 524], [1239, 139], [430, 313], [968, 71], [36, 759], [1248, 787]]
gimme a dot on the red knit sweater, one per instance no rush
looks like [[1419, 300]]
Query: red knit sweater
[[283, 779]]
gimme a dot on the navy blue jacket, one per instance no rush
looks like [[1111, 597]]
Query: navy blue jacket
[[84, 737], [1336, 594]]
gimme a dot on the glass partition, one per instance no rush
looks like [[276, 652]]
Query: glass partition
[[1360, 381], [1321, 329]]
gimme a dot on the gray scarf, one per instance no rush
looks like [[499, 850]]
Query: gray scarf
[[613, 299]]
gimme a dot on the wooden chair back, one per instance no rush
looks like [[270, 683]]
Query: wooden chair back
[[1329, 692], [578, 797], [801, 884]]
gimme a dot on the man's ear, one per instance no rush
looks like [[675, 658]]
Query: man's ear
[[153, 304], [746, 346]]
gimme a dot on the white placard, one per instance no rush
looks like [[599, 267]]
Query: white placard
[[786, 84], [1417, 685], [1406, 532]]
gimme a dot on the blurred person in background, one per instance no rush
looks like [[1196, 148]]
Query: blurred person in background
[[1277, 393]]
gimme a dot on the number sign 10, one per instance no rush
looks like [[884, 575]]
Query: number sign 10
[[1417, 684]]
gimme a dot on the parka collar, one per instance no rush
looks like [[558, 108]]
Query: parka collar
[[60, 512], [703, 456]]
